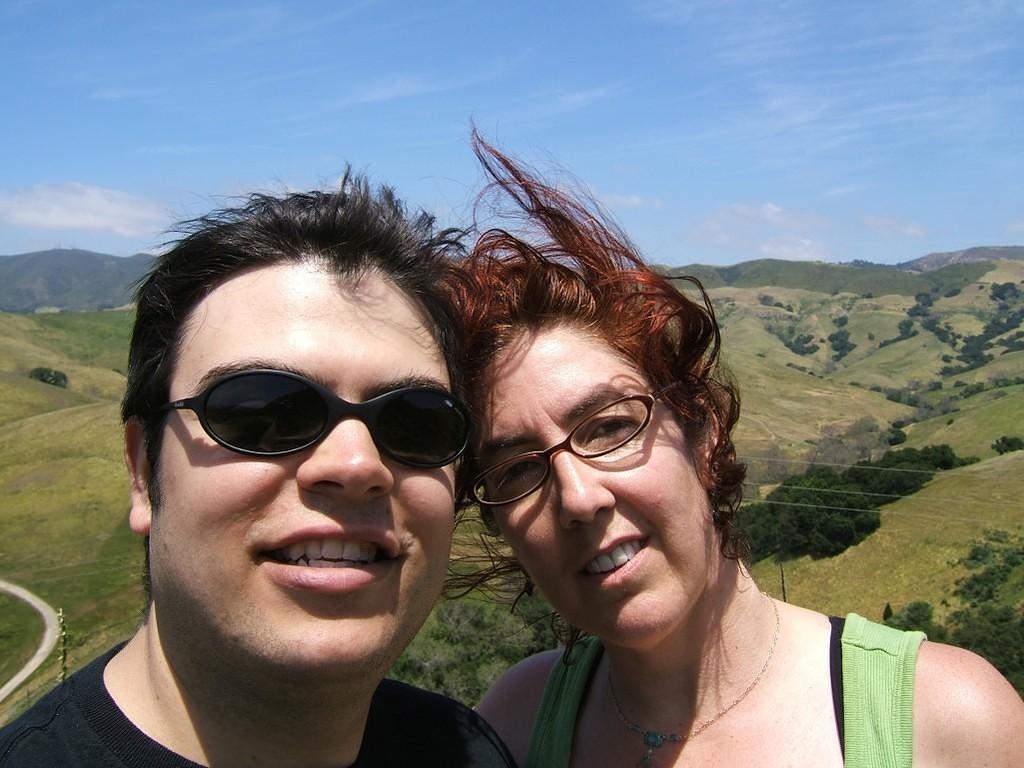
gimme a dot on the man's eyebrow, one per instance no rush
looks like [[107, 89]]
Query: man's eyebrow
[[378, 388], [403, 382], [240, 366], [596, 397]]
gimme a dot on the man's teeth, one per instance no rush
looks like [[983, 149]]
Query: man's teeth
[[328, 553], [618, 557]]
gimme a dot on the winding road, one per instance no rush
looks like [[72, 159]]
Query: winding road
[[45, 646]]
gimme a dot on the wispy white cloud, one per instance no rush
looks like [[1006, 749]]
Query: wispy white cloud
[[630, 201], [890, 225], [1015, 227], [404, 85], [767, 229], [577, 99], [742, 224], [679, 11], [173, 149], [80, 206], [794, 249], [398, 86], [842, 190], [118, 93]]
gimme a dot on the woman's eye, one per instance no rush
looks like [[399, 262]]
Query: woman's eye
[[607, 430], [513, 473]]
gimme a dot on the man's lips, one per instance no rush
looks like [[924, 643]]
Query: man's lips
[[616, 557]]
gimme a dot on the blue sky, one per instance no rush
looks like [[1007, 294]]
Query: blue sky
[[714, 131]]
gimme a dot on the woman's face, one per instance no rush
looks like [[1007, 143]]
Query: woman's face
[[622, 549]]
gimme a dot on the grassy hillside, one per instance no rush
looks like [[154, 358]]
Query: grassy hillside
[[900, 353], [63, 492], [977, 423], [909, 557]]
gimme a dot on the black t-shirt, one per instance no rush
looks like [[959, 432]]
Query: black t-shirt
[[78, 725]]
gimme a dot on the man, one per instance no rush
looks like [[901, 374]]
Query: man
[[290, 431]]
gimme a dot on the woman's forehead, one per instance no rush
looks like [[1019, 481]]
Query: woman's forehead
[[559, 350], [552, 373]]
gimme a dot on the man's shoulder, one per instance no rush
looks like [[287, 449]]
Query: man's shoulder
[[53, 731], [407, 724], [40, 734], [40, 717]]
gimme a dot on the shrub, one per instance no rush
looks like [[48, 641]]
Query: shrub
[[49, 376], [919, 616], [841, 344], [896, 436], [1006, 444]]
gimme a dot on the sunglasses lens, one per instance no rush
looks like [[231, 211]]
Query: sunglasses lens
[[265, 413], [422, 427]]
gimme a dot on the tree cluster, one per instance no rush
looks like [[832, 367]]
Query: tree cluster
[[468, 643], [824, 511]]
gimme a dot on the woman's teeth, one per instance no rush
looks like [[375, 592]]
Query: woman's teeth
[[617, 558]]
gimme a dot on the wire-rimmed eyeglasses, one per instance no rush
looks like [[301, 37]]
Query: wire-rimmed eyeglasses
[[598, 435]]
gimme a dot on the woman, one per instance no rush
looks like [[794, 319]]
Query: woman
[[605, 462]]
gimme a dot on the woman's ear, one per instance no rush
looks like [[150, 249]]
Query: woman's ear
[[140, 518]]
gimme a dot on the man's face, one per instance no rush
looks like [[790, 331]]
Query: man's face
[[222, 584]]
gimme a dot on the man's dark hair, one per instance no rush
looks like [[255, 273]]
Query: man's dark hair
[[348, 233]]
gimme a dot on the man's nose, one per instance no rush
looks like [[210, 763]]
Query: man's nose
[[346, 459]]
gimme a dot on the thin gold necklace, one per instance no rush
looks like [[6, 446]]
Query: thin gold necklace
[[655, 739]]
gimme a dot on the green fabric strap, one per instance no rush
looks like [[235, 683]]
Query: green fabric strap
[[551, 741], [878, 694]]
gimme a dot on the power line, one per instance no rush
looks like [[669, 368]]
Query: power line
[[894, 496], [832, 464], [974, 521]]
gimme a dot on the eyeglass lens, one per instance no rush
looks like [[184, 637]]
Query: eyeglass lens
[[597, 436]]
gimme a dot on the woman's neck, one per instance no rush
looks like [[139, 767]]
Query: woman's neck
[[710, 658]]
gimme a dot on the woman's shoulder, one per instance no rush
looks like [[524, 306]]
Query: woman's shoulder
[[511, 703], [965, 711]]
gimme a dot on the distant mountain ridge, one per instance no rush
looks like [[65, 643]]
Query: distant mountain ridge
[[966, 256], [68, 278], [935, 271], [74, 279]]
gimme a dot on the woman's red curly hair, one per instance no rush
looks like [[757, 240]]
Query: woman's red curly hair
[[569, 266]]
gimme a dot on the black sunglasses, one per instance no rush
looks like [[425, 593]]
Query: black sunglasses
[[274, 413]]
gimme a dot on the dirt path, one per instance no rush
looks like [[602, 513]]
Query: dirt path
[[45, 646]]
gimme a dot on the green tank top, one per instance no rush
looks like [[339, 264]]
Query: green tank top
[[878, 698]]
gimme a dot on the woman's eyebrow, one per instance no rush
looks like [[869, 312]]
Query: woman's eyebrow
[[600, 395], [595, 398]]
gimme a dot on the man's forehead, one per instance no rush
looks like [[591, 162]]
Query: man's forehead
[[300, 311]]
